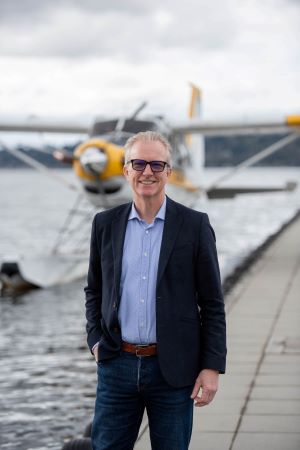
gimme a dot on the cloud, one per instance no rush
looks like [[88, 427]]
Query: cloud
[[15, 11], [118, 29], [106, 57]]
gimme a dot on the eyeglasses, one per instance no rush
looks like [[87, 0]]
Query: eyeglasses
[[140, 165]]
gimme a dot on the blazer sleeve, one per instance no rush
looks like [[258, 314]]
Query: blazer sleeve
[[93, 290], [210, 300]]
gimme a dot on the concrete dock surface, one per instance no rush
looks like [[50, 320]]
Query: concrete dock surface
[[257, 406]]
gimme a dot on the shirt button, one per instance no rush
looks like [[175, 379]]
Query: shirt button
[[147, 232], [145, 254], [144, 278], [142, 300]]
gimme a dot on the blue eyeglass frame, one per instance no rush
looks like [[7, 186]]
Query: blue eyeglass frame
[[145, 163]]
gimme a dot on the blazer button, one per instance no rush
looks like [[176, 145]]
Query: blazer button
[[116, 329], [114, 305]]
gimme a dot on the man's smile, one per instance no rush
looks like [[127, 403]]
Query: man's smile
[[147, 181]]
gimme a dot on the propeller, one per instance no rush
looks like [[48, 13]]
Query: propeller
[[64, 156]]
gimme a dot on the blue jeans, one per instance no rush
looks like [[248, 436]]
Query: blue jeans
[[127, 385]]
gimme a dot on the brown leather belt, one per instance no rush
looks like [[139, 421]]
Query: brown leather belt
[[139, 350]]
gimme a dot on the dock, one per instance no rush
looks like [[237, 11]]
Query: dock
[[257, 405]]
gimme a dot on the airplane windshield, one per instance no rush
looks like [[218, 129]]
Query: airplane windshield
[[130, 126], [103, 127]]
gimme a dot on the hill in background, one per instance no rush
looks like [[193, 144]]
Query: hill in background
[[223, 151], [232, 150]]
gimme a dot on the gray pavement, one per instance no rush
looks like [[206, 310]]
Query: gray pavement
[[257, 405]]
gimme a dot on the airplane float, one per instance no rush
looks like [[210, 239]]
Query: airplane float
[[98, 163]]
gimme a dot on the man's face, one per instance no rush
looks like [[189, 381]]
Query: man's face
[[148, 184]]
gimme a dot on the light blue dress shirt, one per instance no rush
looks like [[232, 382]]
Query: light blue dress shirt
[[137, 311]]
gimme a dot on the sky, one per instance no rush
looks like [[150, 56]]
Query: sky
[[103, 58]]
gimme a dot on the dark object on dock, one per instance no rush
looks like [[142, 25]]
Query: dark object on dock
[[11, 280], [83, 443], [88, 430], [78, 444], [40, 271]]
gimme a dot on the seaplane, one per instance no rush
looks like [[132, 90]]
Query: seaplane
[[98, 164]]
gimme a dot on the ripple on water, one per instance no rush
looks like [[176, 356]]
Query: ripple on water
[[47, 384]]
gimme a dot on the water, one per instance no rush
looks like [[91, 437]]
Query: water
[[47, 376], [242, 224], [33, 208]]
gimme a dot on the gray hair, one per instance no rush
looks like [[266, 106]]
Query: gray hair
[[148, 136]]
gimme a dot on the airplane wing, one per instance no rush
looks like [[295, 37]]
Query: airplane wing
[[233, 127], [44, 126], [193, 125], [289, 125]]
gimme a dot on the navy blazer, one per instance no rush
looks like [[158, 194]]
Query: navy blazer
[[190, 318]]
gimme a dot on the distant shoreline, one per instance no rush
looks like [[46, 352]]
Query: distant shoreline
[[220, 151]]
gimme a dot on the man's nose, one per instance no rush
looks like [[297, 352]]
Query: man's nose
[[147, 170]]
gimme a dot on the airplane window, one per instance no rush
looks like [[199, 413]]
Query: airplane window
[[135, 126]]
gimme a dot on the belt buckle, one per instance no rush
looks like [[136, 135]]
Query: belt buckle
[[138, 348]]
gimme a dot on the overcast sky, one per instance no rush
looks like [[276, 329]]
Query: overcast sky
[[104, 57]]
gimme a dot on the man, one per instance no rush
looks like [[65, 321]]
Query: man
[[154, 308]]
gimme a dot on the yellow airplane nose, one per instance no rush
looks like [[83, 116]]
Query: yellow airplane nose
[[98, 159]]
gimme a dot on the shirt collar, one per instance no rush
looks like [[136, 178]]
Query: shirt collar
[[161, 214]]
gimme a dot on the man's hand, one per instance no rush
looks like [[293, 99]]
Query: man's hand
[[95, 352], [207, 380]]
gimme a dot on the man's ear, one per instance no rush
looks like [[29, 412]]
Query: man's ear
[[125, 170]]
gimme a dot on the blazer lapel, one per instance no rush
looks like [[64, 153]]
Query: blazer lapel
[[118, 235], [173, 222]]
